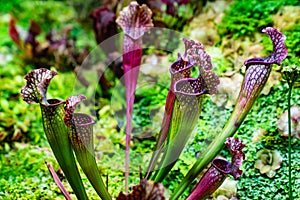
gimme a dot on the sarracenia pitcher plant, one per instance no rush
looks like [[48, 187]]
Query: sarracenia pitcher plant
[[55, 129], [80, 130], [257, 73], [68, 131], [135, 20], [183, 105], [219, 170]]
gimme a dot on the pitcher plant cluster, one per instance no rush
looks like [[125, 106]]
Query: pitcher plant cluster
[[69, 132]]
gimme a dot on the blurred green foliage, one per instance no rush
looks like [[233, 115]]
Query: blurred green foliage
[[246, 17], [292, 43], [18, 120], [47, 13], [150, 98]]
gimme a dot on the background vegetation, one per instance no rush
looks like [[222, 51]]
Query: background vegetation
[[231, 32]]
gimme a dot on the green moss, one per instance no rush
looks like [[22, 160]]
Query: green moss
[[264, 115], [25, 176]]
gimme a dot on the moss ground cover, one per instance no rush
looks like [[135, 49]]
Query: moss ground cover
[[23, 146]]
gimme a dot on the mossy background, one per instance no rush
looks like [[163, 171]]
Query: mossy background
[[231, 33]]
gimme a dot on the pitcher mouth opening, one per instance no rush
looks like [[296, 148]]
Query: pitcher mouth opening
[[221, 165], [53, 102], [81, 119]]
